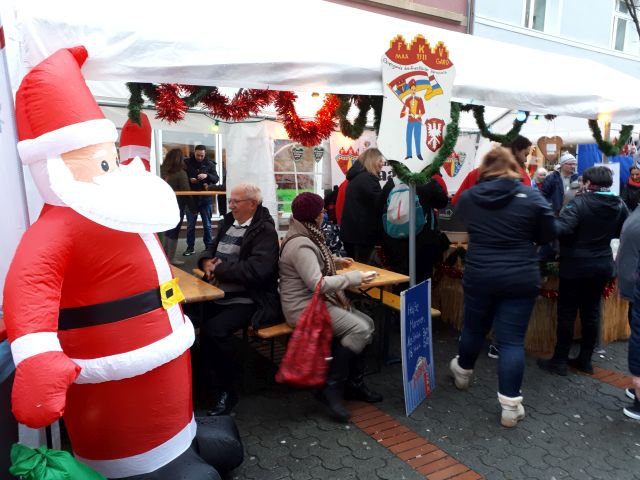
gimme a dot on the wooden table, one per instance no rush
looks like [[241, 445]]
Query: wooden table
[[194, 289], [200, 193], [385, 277]]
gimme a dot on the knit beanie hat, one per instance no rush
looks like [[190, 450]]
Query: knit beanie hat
[[307, 206], [566, 157]]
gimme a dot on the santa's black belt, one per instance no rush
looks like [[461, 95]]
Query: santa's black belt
[[164, 296]]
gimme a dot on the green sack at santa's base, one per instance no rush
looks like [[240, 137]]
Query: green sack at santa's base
[[46, 464]]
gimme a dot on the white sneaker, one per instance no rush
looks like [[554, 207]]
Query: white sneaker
[[461, 376], [493, 352]]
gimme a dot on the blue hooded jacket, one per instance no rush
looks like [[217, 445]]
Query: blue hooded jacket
[[505, 220]]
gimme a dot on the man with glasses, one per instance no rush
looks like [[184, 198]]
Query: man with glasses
[[202, 176], [243, 262]]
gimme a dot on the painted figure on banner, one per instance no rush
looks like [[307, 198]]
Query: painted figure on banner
[[91, 305], [421, 79], [414, 108]]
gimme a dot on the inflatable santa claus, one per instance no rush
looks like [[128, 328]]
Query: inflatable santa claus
[[135, 142], [91, 306]]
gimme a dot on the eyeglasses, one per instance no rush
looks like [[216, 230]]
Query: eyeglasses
[[233, 201]]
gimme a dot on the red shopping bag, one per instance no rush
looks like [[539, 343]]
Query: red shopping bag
[[306, 360]]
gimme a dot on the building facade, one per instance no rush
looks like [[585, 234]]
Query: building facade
[[599, 30]]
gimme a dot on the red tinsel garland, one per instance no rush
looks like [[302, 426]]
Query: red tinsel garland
[[169, 105], [306, 132], [243, 104]]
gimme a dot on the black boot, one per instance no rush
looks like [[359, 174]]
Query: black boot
[[582, 363], [356, 389], [331, 395], [224, 404], [554, 365]]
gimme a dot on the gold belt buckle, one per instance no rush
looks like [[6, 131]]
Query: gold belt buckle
[[170, 293]]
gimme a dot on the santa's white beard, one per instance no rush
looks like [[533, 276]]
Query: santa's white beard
[[129, 199]]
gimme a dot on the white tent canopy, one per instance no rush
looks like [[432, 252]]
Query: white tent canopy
[[305, 46]]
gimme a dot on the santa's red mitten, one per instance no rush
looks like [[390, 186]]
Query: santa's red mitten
[[40, 388]]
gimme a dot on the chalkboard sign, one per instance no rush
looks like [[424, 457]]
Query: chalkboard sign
[[417, 348]]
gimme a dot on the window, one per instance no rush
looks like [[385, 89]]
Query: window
[[543, 15], [534, 14], [624, 33], [297, 169]]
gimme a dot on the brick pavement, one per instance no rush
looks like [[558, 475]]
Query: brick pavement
[[574, 428]]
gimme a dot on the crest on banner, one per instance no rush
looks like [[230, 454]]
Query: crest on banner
[[418, 82]]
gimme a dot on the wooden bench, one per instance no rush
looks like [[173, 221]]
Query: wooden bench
[[268, 333], [392, 300]]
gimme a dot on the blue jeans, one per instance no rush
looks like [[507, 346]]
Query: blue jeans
[[205, 208], [414, 129], [510, 319]]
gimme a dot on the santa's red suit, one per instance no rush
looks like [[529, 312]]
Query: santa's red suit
[[91, 308]]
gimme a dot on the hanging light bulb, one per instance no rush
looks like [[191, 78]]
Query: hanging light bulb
[[536, 118], [521, 116], [315, 94], [216, 126]]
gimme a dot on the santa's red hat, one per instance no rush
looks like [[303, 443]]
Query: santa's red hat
[[135, 141], [56, 112]]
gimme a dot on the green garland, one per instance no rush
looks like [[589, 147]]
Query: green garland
[[364, 103], [507, 138], [450, 138], [608, 148], [352, 130]]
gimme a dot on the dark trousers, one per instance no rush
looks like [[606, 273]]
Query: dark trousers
[[510, 319], [205, 208], [222, 204], [582, 295], [175, 231], [360, 253], [219, 324]]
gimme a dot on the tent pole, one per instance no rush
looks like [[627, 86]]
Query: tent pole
[[607, 137], [412, 234]]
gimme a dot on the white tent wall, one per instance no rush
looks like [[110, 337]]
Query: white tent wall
[[250, 159], [13, 214]]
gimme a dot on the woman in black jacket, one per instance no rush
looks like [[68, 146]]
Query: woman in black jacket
[[586, 226], [361, 223], [505, 220]]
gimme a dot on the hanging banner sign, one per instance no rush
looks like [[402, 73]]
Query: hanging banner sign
[[418, 82]]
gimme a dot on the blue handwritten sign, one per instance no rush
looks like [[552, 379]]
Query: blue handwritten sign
[[418, 375]]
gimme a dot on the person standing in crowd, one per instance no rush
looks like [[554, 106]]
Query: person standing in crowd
[[305, 260], [538, 178], [519, 148], [505, 219], [586, 226], [558, 183], [243, 262], [631, 190], [627, 273], [633, 411], [432, 195], [172, 172], [361, 224], [202, 176]]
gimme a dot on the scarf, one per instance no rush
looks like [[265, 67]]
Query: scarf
[[633, 184], [316, 235]]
